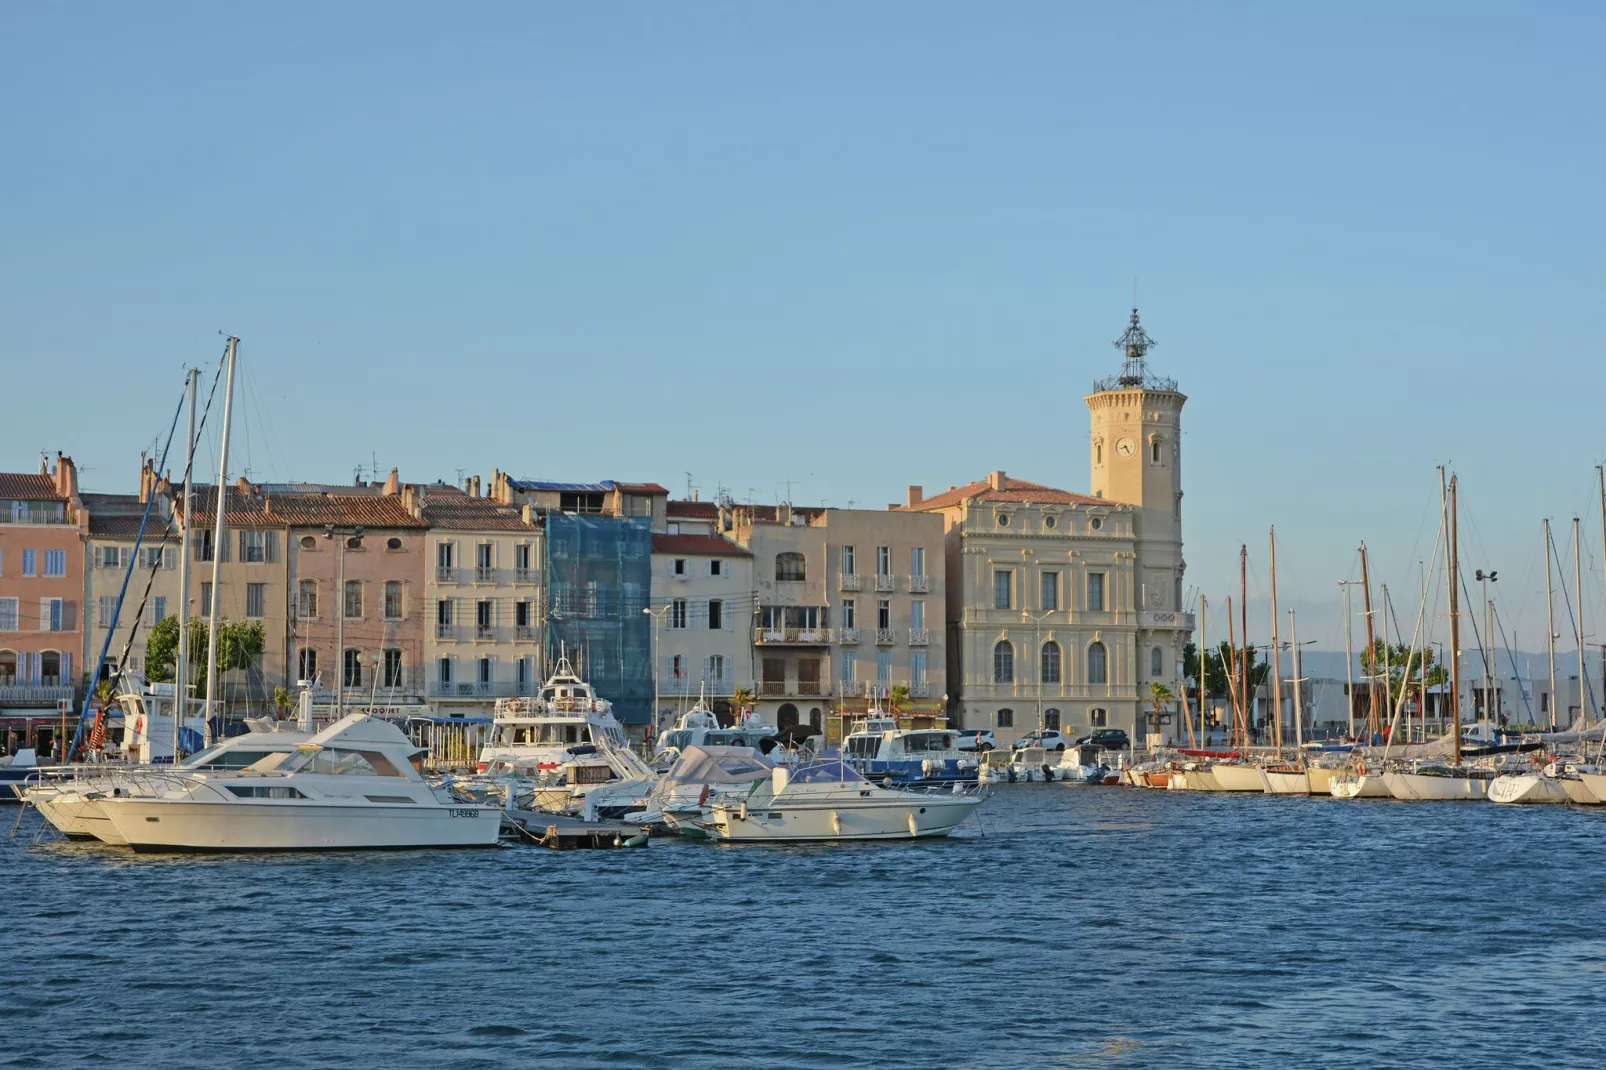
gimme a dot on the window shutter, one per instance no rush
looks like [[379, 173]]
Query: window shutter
[[69, 616], [66, 668], [708, 668], [271, 550], [169, 557], [197, 548], [224, 546], [242, 544]]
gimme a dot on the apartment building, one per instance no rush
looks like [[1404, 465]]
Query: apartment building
[[1065, 608], [1042, 604], [484, 600], [848, 602], [41, 593], [702, 608], [114, 542], [597, 578]]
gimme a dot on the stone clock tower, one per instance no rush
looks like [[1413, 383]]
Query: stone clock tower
[[1136, 455]]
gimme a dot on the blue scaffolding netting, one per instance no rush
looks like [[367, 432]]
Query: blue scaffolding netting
[[599, 579]]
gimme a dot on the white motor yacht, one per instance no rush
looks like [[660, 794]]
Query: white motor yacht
[[701, 777], [147, 711], [566, 739], [69, 798], [356, 784], [890, 755], [827, 799], [1084, 764]]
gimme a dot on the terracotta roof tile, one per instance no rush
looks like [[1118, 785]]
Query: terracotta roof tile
[[642, 488], [461, 512], [1011, 490], [306, 510], [127, 527], [28, 487], [697, 546], [694, 510]]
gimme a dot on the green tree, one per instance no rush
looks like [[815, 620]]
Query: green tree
[[1399, 663], [282, 701], [1159, 694], [898, 698], [239, 646]]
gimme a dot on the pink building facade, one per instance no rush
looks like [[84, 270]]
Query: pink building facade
[[41, 594]]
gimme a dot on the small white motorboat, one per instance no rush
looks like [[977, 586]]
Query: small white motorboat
[[827, 799]]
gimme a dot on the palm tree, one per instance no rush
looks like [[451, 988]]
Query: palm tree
[[898, 698], [1159, 694], [282, 700], [741, 698]]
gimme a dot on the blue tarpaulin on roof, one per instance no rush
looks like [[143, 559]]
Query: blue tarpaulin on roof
[[578, 488], [599, 578]]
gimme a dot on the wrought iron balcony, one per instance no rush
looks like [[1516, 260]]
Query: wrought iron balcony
[[484, 574], [445, 574], [445, 631], [919, 584], [526, 575], [847, 636], [772, 687], [884, 583], [851, 581], [919, 690], [35, 694], [523, 631], [919, 636], [885, 637], [763, 636], [485, 631]]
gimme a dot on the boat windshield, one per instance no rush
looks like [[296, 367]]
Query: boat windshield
[[823, 771], [572, 732], [927, 741], [237, 758], [864, 746]]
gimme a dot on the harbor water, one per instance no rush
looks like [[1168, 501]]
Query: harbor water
[[1065, 926]]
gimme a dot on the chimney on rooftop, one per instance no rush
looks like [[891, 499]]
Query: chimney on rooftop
[[410, 499], [392, 483], [528, 513], [66, 477], [995, 480], [243, 485], [916, 494], [476, 486], [468, 485]]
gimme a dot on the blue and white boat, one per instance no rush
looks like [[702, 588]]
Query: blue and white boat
[[908, 757]]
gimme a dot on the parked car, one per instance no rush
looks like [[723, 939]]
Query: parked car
[[1048, 739], [980, 739], [1107, 738]]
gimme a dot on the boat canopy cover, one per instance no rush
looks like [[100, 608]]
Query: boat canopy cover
[[356, 728], [716, 765], [818, 772]]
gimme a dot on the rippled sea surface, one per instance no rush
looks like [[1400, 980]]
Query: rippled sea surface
[[1067, 927]]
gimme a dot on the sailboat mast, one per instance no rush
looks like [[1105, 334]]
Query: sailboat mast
[[1454, 564], [1372, 727], [1600, 476], [1578, 583], [1239, 733], [1299, 695], [1550, 629], [181, 674], [1243, 656], [1349, 662], [217, 542], [1204, 664], [1276, 653], [1388, 670]]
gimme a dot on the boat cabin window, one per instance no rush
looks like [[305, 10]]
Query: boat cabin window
[[926, 741], [825, 772], [351, 763], [864, 746], [218, 758]]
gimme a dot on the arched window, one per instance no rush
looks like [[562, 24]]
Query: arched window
[[1003, 663], [1156, 663], [351, 668], [1098, 664], [308, 665], [8, 668], [1098, 452], [1005, 719], [1050, 669], [50, 668], [789, 567], [1154, 451], [1051, 719]]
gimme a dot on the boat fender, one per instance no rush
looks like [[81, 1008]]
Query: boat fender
[[1360, 767]]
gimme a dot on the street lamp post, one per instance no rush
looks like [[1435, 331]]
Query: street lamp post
[[1487, 646], [1037, 631], [657, 616], [347, 537]]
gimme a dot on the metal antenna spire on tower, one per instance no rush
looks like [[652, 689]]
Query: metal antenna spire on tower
[[1134, 345]]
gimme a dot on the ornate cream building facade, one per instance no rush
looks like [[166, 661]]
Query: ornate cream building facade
[[1063, 608]]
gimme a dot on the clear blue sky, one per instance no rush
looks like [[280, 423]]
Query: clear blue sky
[[854, 245]]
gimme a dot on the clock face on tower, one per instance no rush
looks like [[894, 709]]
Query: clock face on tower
[[1125, 447]]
